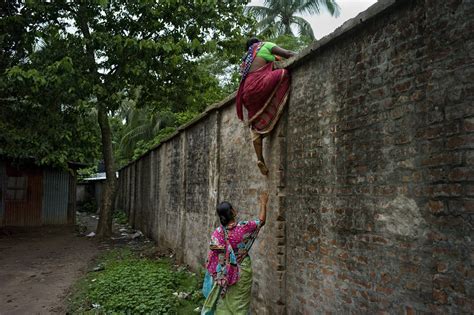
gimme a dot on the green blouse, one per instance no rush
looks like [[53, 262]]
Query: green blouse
[[265, 52]]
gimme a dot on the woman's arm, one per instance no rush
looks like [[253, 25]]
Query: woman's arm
[[276, 50], [263, 208]]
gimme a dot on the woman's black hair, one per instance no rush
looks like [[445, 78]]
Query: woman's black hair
[[252, 41], [224, 211]]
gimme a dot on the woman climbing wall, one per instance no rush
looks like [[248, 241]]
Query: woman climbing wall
[[263, 91]]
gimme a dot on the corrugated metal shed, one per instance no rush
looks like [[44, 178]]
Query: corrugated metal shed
[[32, 195], [55, 197], [23, 196]]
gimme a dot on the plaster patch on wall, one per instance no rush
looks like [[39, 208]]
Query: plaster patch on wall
[[402, 216]]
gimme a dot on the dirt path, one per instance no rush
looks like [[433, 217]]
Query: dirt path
[[37, 267]]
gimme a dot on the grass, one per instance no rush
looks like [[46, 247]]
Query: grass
[[125, 283], [120, 217]]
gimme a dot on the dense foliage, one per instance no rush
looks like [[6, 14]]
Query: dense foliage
[[41, 112], [70, 65], [61, 60]]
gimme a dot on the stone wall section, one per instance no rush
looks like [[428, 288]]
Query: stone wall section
[[371, 172]]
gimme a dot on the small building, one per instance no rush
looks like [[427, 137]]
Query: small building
[[89, 192], [32, 195]]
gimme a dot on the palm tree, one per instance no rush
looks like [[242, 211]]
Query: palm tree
[[276, 17], [139, 124]]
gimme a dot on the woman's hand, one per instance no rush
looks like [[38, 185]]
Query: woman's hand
[[264, 198], [282, 52], [263, 208]]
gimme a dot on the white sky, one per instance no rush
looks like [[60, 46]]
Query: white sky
[[324, 24]]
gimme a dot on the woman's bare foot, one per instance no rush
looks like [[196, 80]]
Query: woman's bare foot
[[263, 168]]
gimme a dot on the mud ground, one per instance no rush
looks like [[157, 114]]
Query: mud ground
[[38, 266]]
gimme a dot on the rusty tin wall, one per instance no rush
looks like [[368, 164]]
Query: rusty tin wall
[[26, 211], [55, 196]]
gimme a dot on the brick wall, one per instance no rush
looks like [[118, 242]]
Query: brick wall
[[371, 172]]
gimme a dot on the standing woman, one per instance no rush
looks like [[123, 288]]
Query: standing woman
[[228, 282], [263, 91]]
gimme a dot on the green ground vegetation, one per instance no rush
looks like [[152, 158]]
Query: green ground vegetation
[[124, 281]]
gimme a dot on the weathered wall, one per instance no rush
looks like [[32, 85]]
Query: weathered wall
[[378, 194], [371, 172]]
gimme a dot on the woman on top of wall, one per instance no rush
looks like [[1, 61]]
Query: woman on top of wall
[[228, 282], [263, 91]]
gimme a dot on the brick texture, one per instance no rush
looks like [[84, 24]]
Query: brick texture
[[371, 172]]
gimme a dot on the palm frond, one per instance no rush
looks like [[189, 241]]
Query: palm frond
[[315, 6], [281, 28], [265, 23], [333, 7], [259, 12], [134, 134], [275, 17], [269, 31], [304, 28]]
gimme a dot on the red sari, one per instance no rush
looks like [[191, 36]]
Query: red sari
[[264, 93]]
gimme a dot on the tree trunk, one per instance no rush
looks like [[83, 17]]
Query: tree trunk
[[104, 228], [287, 25]]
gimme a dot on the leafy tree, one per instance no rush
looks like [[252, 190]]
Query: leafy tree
[[93, 57], [214, 76], [34, 121], [276, 17]]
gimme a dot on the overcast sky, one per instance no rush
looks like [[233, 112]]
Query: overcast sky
[[324, 24]]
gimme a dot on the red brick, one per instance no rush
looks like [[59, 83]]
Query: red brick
[[470, 157], [417, 95], [373, 275], [436, 175], [327, 272], [361, 283], [436, 206], [446, 190], [323, 250], [347, 299], [436, 236], [361, 259], [328, 261], [466, 304], [412, 285], [311, 248], [431, 132], [364, 295], [442, 159], [440, 297], [468, 124], [409, 310], [343, 256], [442, 281], [457, 206], [379, 240], [461, 142], [385, 278], [402, 87], [329, 293], [412, 268], [461, 174]]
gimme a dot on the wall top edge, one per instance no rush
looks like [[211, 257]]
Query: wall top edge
[[373, 11]]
